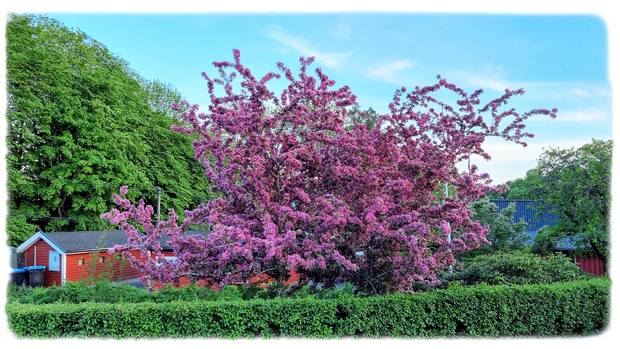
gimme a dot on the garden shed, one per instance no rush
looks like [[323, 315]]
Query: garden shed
[[76, 255], [536, 217]]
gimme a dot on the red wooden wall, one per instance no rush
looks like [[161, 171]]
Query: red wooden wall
[[590, 264], [43, 249], [89, 268]]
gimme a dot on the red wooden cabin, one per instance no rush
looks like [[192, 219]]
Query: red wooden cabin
[[77, 255], [73, 256]]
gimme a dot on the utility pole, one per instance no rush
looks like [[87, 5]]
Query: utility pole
[[445, 191], [158, 203]]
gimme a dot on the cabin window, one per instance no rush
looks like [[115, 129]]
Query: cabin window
[[101, 259], [81, 261]]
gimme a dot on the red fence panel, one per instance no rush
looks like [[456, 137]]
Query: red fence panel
[[590, 264]]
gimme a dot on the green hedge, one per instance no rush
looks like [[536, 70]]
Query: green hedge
[[107, 292], [572, 308]]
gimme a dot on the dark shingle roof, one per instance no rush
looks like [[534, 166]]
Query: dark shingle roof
[[163, 241], [81, 241]]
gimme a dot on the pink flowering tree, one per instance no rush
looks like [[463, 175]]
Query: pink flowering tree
[[300, 191]]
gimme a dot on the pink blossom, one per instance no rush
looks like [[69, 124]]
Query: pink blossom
[[445, 227], [301, 190]]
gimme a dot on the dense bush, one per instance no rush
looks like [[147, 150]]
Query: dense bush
[[102, 292], [517, 267], [106, 292], [578, 307], [504, 234]]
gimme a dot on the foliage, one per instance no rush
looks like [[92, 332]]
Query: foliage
[[77, 292], [529, 187], [80, 124], [573, 308], [578, 191], [517, 267], [161, 96], [302, 190], [546, 241], [103, 291], [504, 234], [574, 184], [357, 116], [18, 228]]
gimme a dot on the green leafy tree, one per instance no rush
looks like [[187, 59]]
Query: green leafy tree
[[357, 116], [577, 190], [81, 124], [529, 187], [161, 95], [19, 228], [504, 234], [574, 184]]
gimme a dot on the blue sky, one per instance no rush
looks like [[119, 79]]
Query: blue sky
[[561, 61]]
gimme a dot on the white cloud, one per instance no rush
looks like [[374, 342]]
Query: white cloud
[[487, 83], [510, 161], [511, 151], [329, 59], [493, 78], [579, 92], [389, 72], [584, 115], [589, 92]]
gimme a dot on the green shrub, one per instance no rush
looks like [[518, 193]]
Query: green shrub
[[187, 293], [517, 268], [77, 292], [230, 293], [572, 308], [347, 290], [107, 292]]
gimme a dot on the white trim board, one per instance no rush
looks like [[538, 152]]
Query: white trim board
[[34, 238], [63, 269]]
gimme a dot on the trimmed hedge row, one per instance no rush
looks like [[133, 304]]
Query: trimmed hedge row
[[107, 292], [572, 308]]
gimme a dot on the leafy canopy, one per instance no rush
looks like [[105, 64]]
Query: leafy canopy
[[574, 184], [504, 234], [577, 190], [81, 124]]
